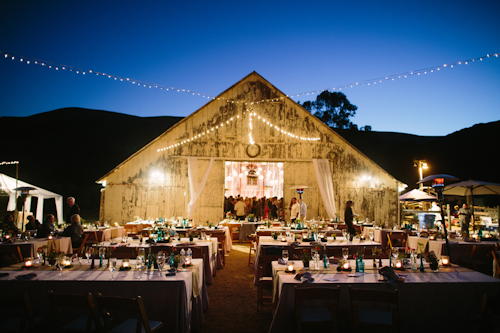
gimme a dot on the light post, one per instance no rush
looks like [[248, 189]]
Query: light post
[[420, 164]]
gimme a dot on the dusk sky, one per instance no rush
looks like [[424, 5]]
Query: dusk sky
[[207, 46]]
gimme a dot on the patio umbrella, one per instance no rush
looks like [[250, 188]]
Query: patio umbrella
[[417, 195]]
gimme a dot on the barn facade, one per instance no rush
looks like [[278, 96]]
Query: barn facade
[[254, 140]]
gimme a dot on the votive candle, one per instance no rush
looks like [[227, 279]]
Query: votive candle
[[398, 264], [346, 265], [28, 262], [125, 263], [290, 268], [445, 260]]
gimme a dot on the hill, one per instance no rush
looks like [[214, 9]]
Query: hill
[[66, 150]]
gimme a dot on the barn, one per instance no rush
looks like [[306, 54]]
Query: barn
[[250, 140]]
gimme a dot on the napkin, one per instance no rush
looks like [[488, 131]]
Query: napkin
[[26, 276], [170, 272], [282, 261], [307, 277], [294, 244], [390, 276]]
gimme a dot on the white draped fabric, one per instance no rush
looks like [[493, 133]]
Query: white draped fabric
[[325, 184], [8, 184], [194, 188]]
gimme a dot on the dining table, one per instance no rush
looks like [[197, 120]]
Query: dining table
[[269, 243], [209, 250], [178, 300], [445, 300], [102, 234], [380, 234], [29, 248]]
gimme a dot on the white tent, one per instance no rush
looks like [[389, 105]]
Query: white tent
[[8, 185]]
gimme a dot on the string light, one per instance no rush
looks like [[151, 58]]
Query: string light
[[9, 162], [141, 83]]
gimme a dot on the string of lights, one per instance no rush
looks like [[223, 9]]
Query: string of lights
[[250, 137], [140, 83]]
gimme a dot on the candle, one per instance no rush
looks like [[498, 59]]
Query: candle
[[432, 237], [398, 264], [125, 263], [283, 239], [290, 268], [28, 262], [346, 265], [445, 260], [187, 261], [50, 237], [7, 236]]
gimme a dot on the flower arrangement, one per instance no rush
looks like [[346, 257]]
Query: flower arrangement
[[229, 215], [210, 224], [275, 234], [306, 257], [430, 257]]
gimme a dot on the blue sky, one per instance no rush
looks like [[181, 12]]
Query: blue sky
[[298, 46]]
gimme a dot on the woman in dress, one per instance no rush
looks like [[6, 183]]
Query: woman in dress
[[348, 216]]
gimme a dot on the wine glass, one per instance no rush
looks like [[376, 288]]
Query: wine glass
[[88, 252], [59, 265], [285, 255], [160, 261], [344, 233], [345, 253], [371, 235], [395, 252], [140, 265], [112, 266]]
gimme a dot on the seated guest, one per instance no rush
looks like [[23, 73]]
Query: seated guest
[[33, 224], [8, 225], [47, 227], [74, 230]]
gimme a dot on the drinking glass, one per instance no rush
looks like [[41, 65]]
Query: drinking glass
[[140, 266], [345, 253], [141, 253], [59, 265], [88, 252], [161, 262], [395, 253], [371, 235], [285, 255], [344, 233], [112, 266]]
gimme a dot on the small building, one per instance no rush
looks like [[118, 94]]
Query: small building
[[251, 140]]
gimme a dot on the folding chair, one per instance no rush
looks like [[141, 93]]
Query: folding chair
[[317, 308], [265, 278]]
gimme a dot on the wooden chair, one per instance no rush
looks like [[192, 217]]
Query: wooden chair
[[76, 313], [489, 317], [316, 307], [221, 240], [367, 305], [253, 248], [124, 252], [496, 272], [16, 314], [79, 249], [120, 314], [397, 239], [265, 278], [11, 254]]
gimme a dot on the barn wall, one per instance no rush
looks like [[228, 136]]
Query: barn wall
[[132, 192]]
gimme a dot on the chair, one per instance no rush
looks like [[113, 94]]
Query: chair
[[265, 278], [489, 317], [11, 254], [397, 239], [16, 314], [124, 252], [253, 248], [316, 307], [221, 240], [120, 313], [75, 313], [496, 265], [367, 309], [79, 249]]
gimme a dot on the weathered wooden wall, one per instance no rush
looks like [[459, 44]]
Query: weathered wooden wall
[[131, 191]]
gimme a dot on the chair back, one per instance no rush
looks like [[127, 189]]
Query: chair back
[[79, 250], [397, 239], [16, 313], [366, 305], [324, 301], [265, 264], [114, 309], [72, 311]]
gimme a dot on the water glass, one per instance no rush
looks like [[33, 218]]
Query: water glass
[[345, 253], [395, 253], [112, 266], [161, 262], [285, 255]]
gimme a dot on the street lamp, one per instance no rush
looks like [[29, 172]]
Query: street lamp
[[420, 164]]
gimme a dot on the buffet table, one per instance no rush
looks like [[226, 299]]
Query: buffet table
[[178, 301], [443, 301]]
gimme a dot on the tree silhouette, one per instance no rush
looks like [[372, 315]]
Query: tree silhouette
[[333, 108]]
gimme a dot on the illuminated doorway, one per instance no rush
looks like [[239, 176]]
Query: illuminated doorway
[[254, 179]]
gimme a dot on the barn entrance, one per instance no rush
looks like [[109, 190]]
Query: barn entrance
[[254, 179]]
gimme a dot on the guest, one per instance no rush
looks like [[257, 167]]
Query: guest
[[258, 209], [274, 209], [303, 210], [74, 230], [239, 209], [464, 214], [33, 224], [47, 227], [8, 225], [348, 216], [294, 210], [73, 209]]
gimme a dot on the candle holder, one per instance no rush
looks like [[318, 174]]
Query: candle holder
[[125, 265], [445, 261], [398, 264], [346, 266], [28, 262]]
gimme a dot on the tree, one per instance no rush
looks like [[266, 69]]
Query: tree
[[333, 108]]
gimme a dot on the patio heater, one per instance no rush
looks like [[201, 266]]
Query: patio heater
[[438, 182]]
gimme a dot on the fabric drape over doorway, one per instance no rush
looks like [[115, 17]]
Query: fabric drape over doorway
[[194, 188], [325, 184]]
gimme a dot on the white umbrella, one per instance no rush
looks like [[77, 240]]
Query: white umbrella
[[472, 187], [416, 195]]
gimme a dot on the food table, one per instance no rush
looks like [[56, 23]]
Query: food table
[[29, 248], [443, 301], [268, 242], [209, 250], [178, 301]]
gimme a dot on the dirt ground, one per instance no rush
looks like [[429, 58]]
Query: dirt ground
[[233, 298]]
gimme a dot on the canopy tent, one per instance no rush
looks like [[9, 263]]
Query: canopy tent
[[417, 195], [8, 185]]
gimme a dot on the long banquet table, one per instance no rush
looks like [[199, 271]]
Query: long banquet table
[[178, 301], [105, 234], [443, 301], [340, 242], [29, 248], [209, 249]]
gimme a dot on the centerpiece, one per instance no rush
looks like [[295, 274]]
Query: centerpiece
[[431, 258]]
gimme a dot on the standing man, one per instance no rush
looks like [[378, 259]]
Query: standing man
[[295, 210], [464, 214], [303, 210], [239, 209], [73, 209]]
